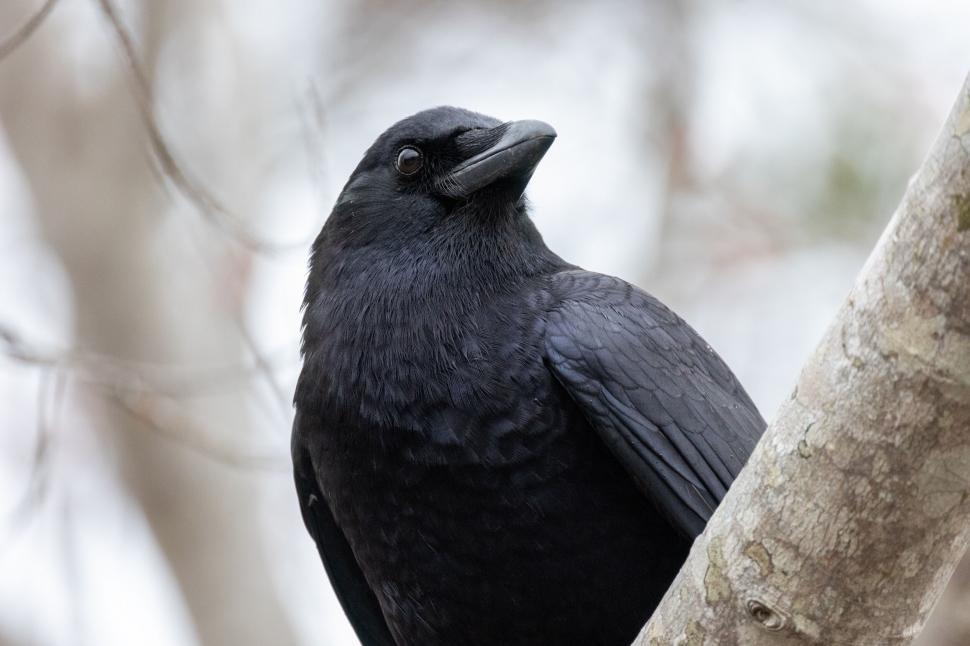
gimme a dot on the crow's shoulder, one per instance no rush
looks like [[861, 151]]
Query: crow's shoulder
[[664, 402]]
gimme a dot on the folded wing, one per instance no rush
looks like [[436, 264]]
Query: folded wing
[[666, 405]]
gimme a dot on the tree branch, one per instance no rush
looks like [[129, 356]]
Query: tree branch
[[166, 420], [213, 210], [147, 391], [18, 37], [854, 509]]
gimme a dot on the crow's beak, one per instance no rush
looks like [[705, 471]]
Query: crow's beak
[[508, 163]]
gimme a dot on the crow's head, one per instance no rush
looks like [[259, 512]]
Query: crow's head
[[436, 167]]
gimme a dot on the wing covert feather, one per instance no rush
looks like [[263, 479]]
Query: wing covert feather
[[668, 407]]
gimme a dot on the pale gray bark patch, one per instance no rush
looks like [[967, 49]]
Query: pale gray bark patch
[[854, 508]]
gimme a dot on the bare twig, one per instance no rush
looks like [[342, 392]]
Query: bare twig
[[193, 190], [48, 418], [50, 398], [39, 472], [22, 33], [138, 387], [125, 383], [261, 366], [121, 374], [163, 418], [313, 120]]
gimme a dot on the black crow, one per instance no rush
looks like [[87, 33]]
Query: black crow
[[491, 445]]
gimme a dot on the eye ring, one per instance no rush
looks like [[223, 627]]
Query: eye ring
[[409, 160]]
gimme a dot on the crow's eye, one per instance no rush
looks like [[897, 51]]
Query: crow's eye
[[409, 160]]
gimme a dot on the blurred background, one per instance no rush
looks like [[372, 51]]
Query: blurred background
[[165, 165]]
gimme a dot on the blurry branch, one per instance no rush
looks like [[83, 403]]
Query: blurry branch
[[210, 208], [124, 382], [262, 365], [18, 37], [669, 96], [50, 400], [126, 374], [97, 209], [265, 370], [193, 190], [163, 416], [49, 406], [313, 124]]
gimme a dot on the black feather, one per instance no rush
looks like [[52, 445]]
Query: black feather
[[666, 404]]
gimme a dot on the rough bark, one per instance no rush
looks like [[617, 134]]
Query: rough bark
[[854, 509]]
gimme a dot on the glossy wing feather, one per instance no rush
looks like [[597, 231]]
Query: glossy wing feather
[[668, 407]]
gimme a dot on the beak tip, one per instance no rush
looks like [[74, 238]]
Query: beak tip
[[533, 129]]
